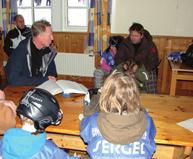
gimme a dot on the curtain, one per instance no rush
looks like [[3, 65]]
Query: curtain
[[9, 10], [99, 25]]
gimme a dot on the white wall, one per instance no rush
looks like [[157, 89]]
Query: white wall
[[57, 14], [160, 17]]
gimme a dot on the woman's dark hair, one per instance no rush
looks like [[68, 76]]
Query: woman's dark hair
[[147, 35], [137, 27], [140, 29]]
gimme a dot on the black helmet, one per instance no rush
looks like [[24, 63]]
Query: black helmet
[[41, 107]]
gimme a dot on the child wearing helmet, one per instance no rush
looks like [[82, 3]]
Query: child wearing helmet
[[107, 60], [37, 110], [122, 128]]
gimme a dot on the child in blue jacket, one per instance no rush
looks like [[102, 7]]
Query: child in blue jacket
[[37, 109], [121, 129]]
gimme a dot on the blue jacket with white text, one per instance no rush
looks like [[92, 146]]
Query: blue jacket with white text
[[99, 148]]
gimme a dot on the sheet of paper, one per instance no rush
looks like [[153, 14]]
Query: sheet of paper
[[71, 87], [63, 86], [188, 124], [51, 87]]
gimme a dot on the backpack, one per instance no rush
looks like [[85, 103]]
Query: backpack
[[187, 57]]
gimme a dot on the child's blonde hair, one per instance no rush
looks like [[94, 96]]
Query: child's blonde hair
[[119, 94]]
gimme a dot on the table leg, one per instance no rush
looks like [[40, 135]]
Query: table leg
[[173, 83], [187, 152]]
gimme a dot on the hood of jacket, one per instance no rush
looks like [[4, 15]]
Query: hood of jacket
[[122, 129], [18, 144]]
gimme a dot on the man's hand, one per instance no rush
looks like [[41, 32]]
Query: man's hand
[[52, 78]]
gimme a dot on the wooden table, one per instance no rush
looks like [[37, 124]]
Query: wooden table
[[179, 72], [172, 140]]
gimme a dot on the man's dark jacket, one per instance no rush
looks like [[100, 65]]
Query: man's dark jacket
[[18, 69], [146, 54], [16, 35]]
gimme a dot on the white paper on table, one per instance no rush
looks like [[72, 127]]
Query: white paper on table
[[188, 124]]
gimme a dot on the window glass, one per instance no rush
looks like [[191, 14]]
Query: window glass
[[27, 15], [42, 3], [74, 21], [77, 3], [33, 10], [77, 13], [24, 3], [42, 13], [68, 15]]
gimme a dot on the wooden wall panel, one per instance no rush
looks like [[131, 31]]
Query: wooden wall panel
[[62, 41], [78, 43], [165, 45], [70, 42]]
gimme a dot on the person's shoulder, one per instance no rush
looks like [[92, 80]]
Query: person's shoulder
[[148, 43], [12, 131], [126, 42], [51, 144], [92, 119], [21, 50], [148, 118], [12, 32], [28, 30], [51, 150], [25, 41], [107, 53], [190, 48], [23, 44], [93, 116]]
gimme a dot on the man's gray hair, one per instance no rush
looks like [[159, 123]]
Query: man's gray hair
[[39, 27]]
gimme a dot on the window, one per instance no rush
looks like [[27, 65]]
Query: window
[[64, 15], [77, 13], [33, 10]]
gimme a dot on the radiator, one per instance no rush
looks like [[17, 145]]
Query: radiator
[[75, 64]]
